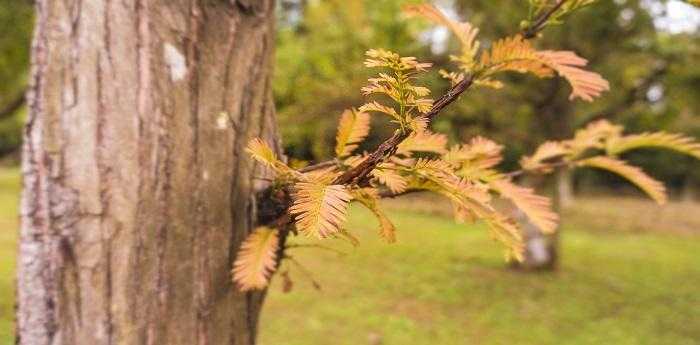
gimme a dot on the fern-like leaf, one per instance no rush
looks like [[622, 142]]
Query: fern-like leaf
[[675, 142], [652, 187], [537, 208], [353, 129], [423, 142], [514, 54], [256, 259], [261, 152], [505, 230], [585, 85], [517, 54], [465, 32], [390, 178], [480, 152], [319, 209], [380, 108], [545, 152], [370, 199]]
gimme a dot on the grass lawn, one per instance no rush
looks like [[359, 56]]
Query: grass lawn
[[9, 194], [447, 284]]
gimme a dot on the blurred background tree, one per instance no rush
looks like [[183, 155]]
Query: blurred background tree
[[16, 26]]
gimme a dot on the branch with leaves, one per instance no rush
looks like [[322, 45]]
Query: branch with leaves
[[417, 159]]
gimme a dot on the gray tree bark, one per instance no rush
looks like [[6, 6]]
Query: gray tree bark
[[542, 250], [137, 190]]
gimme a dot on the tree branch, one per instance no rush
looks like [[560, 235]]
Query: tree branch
[[540, 22], [360, 173], [545, 169]]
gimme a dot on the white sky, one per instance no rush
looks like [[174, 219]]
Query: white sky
[[675, 16]]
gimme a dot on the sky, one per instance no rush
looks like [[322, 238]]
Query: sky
[[675, 16]]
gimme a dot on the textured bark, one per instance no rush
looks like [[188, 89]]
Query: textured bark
[[137, 192]]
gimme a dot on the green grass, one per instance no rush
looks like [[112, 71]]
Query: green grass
[[9, 195], [447, 284], [444, 284]]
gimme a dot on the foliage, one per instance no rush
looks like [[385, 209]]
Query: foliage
[[16, 28], [604, 138], [352, 130], [256, 259], [318, 43], [516, 54], [416, 159], [320, 207], [316, 66]]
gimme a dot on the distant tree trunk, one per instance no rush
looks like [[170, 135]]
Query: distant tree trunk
[[688, 191], [564, 189], [137, 192], [542, 250]]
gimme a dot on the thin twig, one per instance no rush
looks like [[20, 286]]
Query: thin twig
[[359, 174], [305, 272], [389, 147], [318, 166], [539, 23], [319, 246], [520, 172], [386, 194]]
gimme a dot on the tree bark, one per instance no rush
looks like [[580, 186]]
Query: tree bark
[[137, 191]]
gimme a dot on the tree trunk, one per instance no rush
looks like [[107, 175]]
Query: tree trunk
[[564, 189], [137, 190], [542, 250], [688, 190]]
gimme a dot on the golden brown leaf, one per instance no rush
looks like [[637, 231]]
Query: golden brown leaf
[[425, 141], [585, 85], [380, 108], [652, 187], [675, 142], [256, 259], [480, 152], [390, 178], [465, 32], [547, 151], [514, 54], [370, 199], [319, 209], [537, 208], [261, 152], [504, 230], [353, 129]]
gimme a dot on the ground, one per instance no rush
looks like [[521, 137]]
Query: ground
[[448, 284]]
